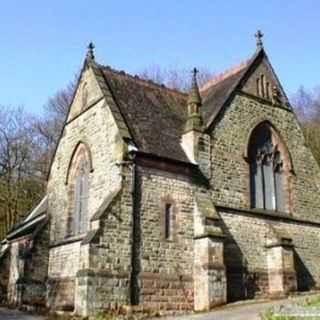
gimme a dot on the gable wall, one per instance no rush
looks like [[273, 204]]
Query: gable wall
[[230, 171], [263, 68], [97, 128], [247, 234]]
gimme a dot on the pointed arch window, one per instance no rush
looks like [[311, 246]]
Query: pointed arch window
[[81, 198], [78, 182], [267, 181]]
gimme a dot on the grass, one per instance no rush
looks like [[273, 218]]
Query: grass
[[312, 301]]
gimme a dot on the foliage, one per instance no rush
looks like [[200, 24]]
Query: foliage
[[26, 147], [20, 186], [271, 314], [313, 301]]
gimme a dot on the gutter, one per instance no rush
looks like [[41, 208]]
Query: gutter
[[26, 226]]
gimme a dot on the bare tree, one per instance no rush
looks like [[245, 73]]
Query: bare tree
[[19, 185], [48, 127], [307, 106], [175, 78], [26, 147]]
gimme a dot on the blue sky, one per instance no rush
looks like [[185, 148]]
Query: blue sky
[[43, 43]]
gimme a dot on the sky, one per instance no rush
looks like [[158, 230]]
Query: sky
[[43, 43]]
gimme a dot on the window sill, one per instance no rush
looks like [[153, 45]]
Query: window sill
[[274, 215], [68, 240], [271, 212]]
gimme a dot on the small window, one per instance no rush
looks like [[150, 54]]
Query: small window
[[268, 90], [168, 222], [258, 87], [84, 96], [262, 86]]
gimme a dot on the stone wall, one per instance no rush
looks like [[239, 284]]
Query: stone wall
[[166, 265], [160, 275], [4, 275], [97, 129], [108, 272], [36, 270], [245, 247], [16, 273], [230, 170], [246, 253], [90, 121], [29, 257]]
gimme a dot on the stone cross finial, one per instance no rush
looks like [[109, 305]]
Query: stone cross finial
[[194, 75], [90, 53], [194, 94], [259, 36]]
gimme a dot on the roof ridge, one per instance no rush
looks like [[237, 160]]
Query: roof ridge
[[225, 75], [142, 80]]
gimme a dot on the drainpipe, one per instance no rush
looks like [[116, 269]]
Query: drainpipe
[[135, 250]]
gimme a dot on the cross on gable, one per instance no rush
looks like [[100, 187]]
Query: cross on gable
[[259, 36]]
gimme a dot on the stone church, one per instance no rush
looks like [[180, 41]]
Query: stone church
[[170, 201]]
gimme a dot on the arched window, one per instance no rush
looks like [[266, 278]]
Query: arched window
[[77, 181], [81, 199], [267, 182]]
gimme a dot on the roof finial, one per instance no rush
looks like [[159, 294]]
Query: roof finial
[[90, 52], [194, 120], [194, 76], [194, 95], [259, 36]]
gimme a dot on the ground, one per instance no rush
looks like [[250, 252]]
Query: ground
[[6, 314], [249, 310]]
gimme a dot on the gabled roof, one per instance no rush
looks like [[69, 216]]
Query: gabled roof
[[155, 114], [220, 92], [35, 218]]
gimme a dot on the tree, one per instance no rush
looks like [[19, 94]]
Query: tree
[[175, 78], [20, 186], [26, 147], [307, 106], [48, 127]]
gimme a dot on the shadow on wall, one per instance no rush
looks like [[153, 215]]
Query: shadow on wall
[[240, 284], [305, 280], [60, 294]]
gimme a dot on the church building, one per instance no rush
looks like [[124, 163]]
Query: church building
[[163, 200]]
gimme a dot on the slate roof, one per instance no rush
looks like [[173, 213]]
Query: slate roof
[[36, 216], [155, 114], [215, 97]]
